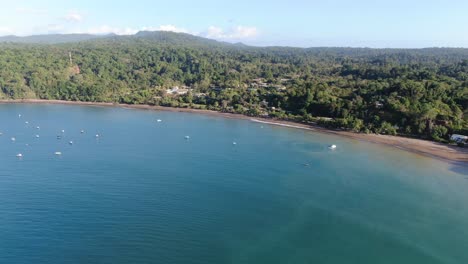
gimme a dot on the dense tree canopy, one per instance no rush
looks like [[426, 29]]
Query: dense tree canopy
[[421, 92]]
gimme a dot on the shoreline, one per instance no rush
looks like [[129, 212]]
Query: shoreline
[[418, 146]]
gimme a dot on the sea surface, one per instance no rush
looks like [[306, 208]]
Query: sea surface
[[143, 193]]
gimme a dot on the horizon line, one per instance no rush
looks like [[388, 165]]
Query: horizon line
[[111, 34]]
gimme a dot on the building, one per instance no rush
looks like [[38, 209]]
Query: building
[[178, 91], [459, 138]]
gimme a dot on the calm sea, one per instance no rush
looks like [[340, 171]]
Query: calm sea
[[143, 193]]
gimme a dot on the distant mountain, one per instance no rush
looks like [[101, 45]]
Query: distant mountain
[[52, 39], [188, 40], [164, 37], [175, 39]]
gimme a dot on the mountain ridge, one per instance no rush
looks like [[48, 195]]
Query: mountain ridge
[[175, 38], [161, 36]]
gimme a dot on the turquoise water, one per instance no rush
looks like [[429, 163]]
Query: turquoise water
[[142, 193]]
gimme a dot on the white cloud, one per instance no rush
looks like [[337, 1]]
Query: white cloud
[[214, 32], [171, 28], [130, 31], [30, 11], [235, 33], [107, 30], [244, 32], [5, 31], [55, 28], [73, 17], [232, 34]]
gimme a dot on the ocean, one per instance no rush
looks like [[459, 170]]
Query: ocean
[[234, 191]]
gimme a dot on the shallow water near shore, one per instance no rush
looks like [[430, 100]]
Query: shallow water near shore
[[142, 193]]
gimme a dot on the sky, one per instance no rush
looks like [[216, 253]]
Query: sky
[[301, 23]]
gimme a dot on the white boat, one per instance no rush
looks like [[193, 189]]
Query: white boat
[[13, 139], [97, 135], [63, 130], [159, 120], [58, 153], [26, 122], [71, 142], [38, 127], [1, 134], [82, 131], [234, 143], [37, 136], [19, 115], [19, 155], [187, 137], [332, 147]]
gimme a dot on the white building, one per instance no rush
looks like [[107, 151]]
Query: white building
[[459, 138], [177, 90]]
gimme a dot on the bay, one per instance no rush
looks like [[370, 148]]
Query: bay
[[143, 193]]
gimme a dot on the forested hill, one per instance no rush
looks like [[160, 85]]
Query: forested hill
[[52, 39], [155, 36], [420, 92]]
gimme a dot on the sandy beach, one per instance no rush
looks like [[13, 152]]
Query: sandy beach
[[418, 146]]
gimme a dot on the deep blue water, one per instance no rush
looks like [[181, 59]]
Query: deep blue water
[[142, 193]]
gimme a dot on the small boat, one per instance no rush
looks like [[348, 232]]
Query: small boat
[[13, 139], [97, 135], [37, 136], [234, 143], [26, 122], [59, 137], [38, 127], [159, 120], [187, 137], [1, 134], [71, 142], [58, 153], [82, 131], [19, 155], [332, 147], [19, 115], [63, 130]]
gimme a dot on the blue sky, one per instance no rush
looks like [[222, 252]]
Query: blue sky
[[358, 23]]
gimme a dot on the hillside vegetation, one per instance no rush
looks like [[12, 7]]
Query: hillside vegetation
[[420, 92]]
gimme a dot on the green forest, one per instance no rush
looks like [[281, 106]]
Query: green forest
[[411, 92]]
